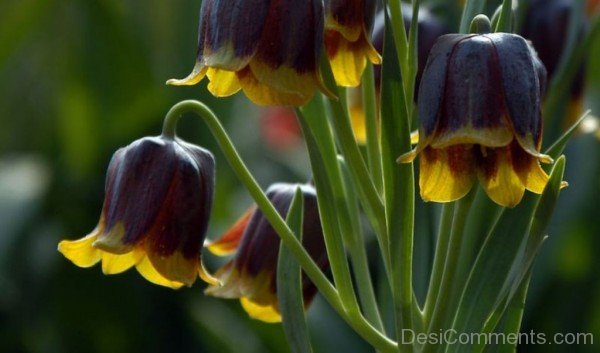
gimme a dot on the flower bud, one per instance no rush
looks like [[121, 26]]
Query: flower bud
[[251, 275], [269, 49], [480, 117], [158, 199]]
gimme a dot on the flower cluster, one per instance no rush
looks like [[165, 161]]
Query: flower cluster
[[479, 109], [271, 49]]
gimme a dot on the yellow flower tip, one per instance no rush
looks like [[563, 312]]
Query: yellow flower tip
[[372, 53], [408, 157], [207, 277], [147, 270], [414, 137], [564, 184], [81, 252], [265, 313], [219, 249], [113, 264], [193, 78], [544, 158], [222, 83]]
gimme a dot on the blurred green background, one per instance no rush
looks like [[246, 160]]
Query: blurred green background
[[81, 78]]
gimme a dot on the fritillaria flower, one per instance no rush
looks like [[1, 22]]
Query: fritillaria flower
[[251, 275], [480, 118], [269, 49], [348, 26], [430, 28], [158, 198]]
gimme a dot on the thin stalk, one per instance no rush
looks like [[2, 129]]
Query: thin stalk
[[439, 259], [444, 304], [372, 126], [358, 255], [367, 192], [355, 320], [399, 32], [330, 194]]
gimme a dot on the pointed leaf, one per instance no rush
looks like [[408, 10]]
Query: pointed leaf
[[289, 285]]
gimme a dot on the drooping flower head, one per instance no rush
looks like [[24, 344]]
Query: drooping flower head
[[348, 25], [251, 275], [268, 48], [480, 117], [430, 28], [156, 210]]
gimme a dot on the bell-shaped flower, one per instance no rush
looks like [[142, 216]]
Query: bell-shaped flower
[[251, 274], [268, 49], [430, 28], [348, 25], [480, 118], [158, 199]]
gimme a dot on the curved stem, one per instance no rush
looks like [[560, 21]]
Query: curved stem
[[358, 254], [354, 319]]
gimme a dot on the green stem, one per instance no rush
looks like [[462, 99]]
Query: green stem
[[355, 320], [445, 301], [367, 192], [439, 259], [330, 194], [358, 255], [399, 32], [372, 126]]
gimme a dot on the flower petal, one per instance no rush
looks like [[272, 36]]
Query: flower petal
[[81, 252], [113, 264], [197, 74], [113, 241], [498, 177], [223, 83], [349, 59], [301, 91], [528, 169], [446, 174], [147, 270], [229, 241], [175, 267], [264, 313]]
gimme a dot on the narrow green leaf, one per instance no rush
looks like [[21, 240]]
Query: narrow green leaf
[[511, 322], [330, 193], [398, 181], [504, 261], [289, 285], [505, 17], [559, 145]]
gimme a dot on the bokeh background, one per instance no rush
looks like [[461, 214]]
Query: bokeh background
[[81, 78]]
